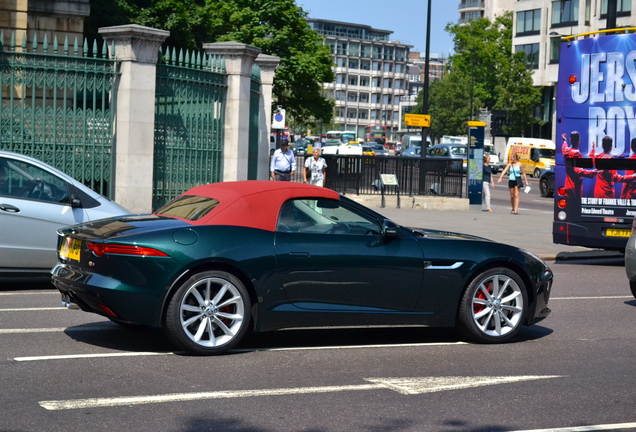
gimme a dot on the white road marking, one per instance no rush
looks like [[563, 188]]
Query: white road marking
[[32, 309], [33, 330], [246, 350], [406, 386], [590, 428], [83, 356], [593, 298], [15, 293]]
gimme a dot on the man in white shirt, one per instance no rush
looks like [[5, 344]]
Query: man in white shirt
[[283, 164]]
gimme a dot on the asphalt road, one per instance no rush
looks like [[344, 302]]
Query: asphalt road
[[65, 370]]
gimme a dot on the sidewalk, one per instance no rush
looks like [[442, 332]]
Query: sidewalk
[[530, 229]]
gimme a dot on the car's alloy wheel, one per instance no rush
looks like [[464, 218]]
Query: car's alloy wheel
[[209, 314], [494, 306]]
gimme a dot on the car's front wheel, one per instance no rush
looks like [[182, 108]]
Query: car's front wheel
[[493, 307], [209, 313]]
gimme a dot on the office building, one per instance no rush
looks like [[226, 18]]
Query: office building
[[371, 75]]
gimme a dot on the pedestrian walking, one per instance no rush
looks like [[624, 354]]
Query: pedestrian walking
[[487, 184], [316, 168], [515, 181], [283, 164]]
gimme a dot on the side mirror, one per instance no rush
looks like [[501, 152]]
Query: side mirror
[[389, 229]]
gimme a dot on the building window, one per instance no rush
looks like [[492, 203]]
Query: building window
[[341, 48], [352, 97], [565, 13], [341, 78], [400, 54], [377, 51], [353, 80], [363, 114], [341, 95], [387, 83], [377, 66], [366, 51], [387, 99], [388, 67], [353, 63], [341, 61], [365, 65], [354, 49], [531, 55], [399, 68], [528, 22], [375, 98], [364, 97], [352, 113], [388, 53], [375, 82], [555, 49], [364, 81], [623, 8]]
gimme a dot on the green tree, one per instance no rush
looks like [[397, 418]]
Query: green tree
[[278, 27], [485, 65]]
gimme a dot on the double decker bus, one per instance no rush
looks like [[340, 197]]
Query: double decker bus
[[376, 133], [595, 173]]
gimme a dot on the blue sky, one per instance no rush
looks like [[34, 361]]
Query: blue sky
[[406, 18]]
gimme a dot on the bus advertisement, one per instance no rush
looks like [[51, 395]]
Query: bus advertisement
[[375, 133], [595, 180]]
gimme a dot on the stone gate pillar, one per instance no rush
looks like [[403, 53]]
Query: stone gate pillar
[[268, 65], [136, 48], [239, 59]]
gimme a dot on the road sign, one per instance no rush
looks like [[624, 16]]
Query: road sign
[[279, 119], [417, 120]]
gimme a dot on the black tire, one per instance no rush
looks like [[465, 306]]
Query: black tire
[[545, 188], [537, 173], [632, 286], [494, 306], [209, 314]]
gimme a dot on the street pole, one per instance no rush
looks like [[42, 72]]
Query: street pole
[[426, 77], [424, 150]]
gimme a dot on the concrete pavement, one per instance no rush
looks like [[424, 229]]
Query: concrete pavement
[[530, 229]]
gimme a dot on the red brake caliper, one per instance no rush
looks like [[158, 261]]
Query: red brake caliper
[[481, 296]]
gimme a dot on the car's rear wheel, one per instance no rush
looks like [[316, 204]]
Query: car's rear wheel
[[493, 307], [209, 313], [537, 173]]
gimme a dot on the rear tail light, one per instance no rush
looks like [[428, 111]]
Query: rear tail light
[[101, 249], [562, 203]]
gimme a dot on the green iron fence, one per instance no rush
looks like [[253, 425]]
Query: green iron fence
[[189, 122], [55, 106]]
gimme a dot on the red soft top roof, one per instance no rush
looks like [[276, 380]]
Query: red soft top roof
[[253, 203]]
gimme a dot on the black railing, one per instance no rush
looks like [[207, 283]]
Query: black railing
[[361, 175]]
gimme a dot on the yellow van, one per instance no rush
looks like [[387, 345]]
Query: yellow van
[[535, 154]]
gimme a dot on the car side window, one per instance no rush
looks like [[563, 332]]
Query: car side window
[[21, 179], [323, 216]]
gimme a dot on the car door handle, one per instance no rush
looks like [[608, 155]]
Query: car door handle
[[299, 254], [9, 208]]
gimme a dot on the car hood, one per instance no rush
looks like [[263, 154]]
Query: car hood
[[441, 235], [117, 227]]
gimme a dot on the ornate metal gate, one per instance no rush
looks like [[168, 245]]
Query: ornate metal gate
[[189, 121], [55, 106]]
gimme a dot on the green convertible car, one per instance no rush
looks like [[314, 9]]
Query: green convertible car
[[226, 258]]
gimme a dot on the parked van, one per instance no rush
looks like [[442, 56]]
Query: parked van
[[535, 154]]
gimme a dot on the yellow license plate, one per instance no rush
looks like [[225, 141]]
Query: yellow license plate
[[610, 232], [70, 249]]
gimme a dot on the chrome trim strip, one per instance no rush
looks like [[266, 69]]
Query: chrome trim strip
[[450, 267]]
